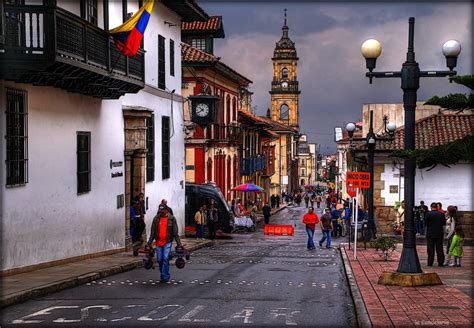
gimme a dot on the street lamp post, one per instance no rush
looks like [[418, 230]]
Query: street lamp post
[[371, 140], [410, 80]]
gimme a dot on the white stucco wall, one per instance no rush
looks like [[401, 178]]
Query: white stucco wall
[[46, 219], [171, 189], [450, 186]]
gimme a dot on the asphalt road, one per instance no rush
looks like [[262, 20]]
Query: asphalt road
[[249, 280]]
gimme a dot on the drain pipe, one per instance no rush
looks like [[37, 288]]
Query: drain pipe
[[172, 115]]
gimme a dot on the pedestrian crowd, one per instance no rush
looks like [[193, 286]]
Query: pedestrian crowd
[[439, 227]]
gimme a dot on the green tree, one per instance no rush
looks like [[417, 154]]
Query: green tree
[[452, 153], [458, 102]]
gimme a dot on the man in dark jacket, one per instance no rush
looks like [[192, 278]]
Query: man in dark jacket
[[212, 221], [164, 229], [267, 211], [435, 222]]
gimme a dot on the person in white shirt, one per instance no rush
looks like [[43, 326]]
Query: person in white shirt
[[451, 216]]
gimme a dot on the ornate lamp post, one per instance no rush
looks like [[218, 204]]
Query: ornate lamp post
[[371, 140], [410, 80]]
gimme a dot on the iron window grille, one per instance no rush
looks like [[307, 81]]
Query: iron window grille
[[150, 145], [161, 63], [16, 137], [165, 147], [83, 162], [171, 57]]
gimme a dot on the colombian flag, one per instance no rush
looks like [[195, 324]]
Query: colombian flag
[[129, 35]]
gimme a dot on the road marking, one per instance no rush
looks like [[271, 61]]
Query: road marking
[[245, 314], [46, 311], [147, 317], [283, 312], [188, 317]]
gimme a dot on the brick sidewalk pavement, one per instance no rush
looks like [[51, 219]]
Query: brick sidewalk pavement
[[448, 305]]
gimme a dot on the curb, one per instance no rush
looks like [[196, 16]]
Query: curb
[[60, 285], [363, 320]]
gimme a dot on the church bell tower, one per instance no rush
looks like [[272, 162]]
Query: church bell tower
[[285, 91]]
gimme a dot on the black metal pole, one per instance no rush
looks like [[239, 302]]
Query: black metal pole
[[370, 194], [410, 75]]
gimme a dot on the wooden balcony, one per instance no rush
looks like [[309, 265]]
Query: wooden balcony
[[222, 133], [49, 46], [253, 164]]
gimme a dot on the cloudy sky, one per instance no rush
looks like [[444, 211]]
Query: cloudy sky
[[331, 70]]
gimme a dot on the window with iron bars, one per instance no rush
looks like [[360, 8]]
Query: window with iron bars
[[171, 57], [161, 63], [16, 137], [165, 147], [150, 145], [83, 162]]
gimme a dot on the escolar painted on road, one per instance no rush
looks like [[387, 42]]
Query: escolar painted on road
[[78, 314]]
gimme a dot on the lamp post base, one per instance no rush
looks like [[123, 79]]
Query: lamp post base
[[409, 279]]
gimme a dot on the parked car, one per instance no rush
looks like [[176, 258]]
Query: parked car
[[199, 194]]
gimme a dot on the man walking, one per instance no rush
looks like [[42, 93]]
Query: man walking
[[273, 200], [326, 227], [213, 219], [277, 201], [164, 229], [164, 202], [310, 219], [435, 222], [318, 201], [267, 211]]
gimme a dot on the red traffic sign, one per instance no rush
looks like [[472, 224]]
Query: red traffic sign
[[351, 191], [358, 180]]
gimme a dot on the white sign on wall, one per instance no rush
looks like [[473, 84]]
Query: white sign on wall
[[284, 179]]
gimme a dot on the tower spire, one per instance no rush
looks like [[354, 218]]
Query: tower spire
[[285, 16]]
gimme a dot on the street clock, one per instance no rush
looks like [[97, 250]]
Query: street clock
[[203, 109]]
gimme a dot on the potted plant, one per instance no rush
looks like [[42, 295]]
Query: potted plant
[[385, 246]]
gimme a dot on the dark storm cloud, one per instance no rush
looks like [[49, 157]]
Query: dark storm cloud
[[331, 69]]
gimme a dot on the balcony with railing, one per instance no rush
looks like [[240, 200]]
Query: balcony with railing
[[251, 165], [217, 132], [49, 46]]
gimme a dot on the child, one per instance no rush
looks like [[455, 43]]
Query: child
[[456, 246]]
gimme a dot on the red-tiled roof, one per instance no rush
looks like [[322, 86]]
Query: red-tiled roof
[[212, 25], [191, 55], [194, 55], [271, 124], [432, 131]]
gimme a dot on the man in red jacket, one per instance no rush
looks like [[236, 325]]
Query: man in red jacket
[[310, 219]]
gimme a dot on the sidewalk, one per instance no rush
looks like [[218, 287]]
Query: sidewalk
[[448, 305], [24, 286], [274, 211]]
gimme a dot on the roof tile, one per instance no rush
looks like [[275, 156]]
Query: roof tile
[[432, 131]]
